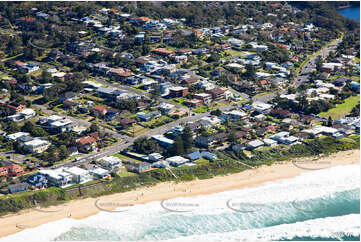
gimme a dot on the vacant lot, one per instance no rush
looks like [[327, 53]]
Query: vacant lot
[[342, 109]]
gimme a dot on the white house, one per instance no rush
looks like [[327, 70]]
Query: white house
[[177, 160], [111, 163], [36, 145], [261, 107], [236, 114], [254, 144]]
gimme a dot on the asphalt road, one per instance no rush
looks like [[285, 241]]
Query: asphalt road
[[127, 141], [304, 73]]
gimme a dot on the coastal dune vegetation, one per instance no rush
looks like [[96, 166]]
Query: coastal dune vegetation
[[228, 162]]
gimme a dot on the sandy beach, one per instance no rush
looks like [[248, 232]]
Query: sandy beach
[[82, 208]]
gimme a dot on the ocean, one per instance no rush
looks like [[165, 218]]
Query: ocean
[[318, 205], [352, 13]]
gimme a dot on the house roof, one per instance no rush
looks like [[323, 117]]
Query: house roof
[[194, 155], [163, 51], [127, 121], [99, 108], [85, 140], [121, 72], [216, 91]]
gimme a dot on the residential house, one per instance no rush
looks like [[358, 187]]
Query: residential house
[[23, 115], [177, 160], [86, 144], [280, 113], [36, 145], [178, 91], [79, 175], [37, 180], [254, 144], [99, 173], [20, 187], [57, 177], [270, 142], [62, 125], [210, 121], [139, 167], [99, 110], [193, 103], [126, 122], [163, 141], [320, 130], [15, 107], [205, 97], [166, 108], [16, 136], [163, 52], [111, 163], [148, 116], [67, 96], [284, 138], [262, 107], [235, 115], [120, 73], [14, 169], [217, 93], [194, 155]]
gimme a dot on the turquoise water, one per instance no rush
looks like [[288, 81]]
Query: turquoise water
[[320, 205], [352, 13]]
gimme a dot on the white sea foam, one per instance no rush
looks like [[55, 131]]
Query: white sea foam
[[330, 227], [152, 222]]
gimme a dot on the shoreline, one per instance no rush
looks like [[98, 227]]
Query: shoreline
[[82, 208]]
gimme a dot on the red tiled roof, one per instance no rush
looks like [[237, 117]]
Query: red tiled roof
[[85, 140], [271, 127], [99, 108], [145, 19], [28, 19], [163, 51]]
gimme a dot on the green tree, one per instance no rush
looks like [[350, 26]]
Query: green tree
[[46, 77], [177, 148], [329, 121], [13, 127], [187, 138], [63, 152]]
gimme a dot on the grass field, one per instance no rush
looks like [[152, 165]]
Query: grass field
[[342, 109], [201, 161], [126, 158], [201, 109], [138, 130], [233, 52], [125, 173]]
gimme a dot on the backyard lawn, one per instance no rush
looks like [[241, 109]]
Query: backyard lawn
[[201, 109], [126, 158], [233, 52], [342, 109]]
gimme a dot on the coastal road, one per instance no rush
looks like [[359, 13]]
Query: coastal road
[[127, 141], [304, 73]]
